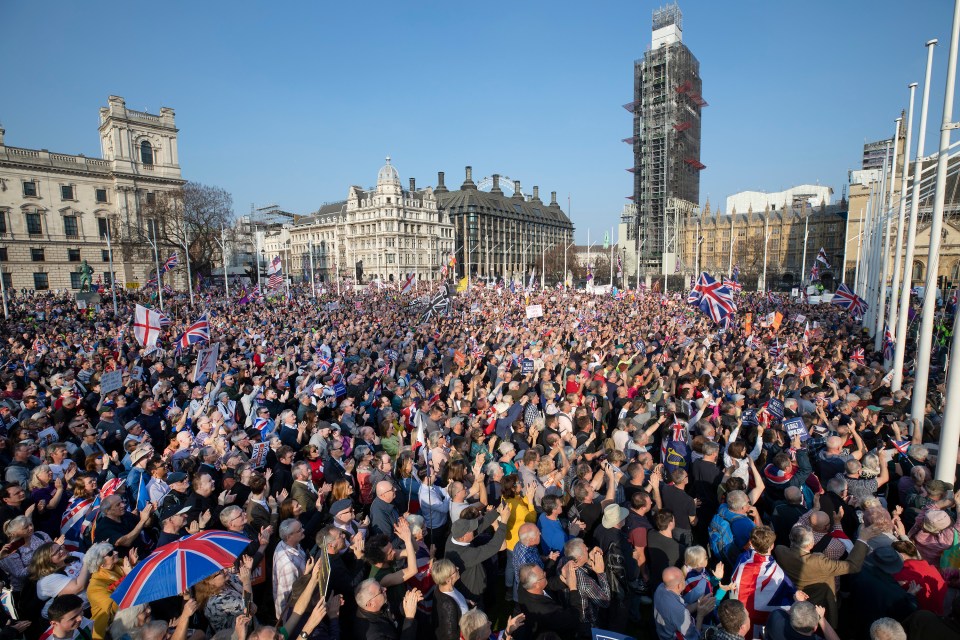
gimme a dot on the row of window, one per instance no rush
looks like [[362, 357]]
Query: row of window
[[39, 255], [41, 280], [67, 191], [71, 226]]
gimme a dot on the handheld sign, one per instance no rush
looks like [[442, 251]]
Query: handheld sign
[[526, 366], [775, 407], [795, 427], [534, 311], [111, 381]]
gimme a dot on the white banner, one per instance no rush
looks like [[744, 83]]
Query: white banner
[[207, 360], [534, 311], [111, 381]]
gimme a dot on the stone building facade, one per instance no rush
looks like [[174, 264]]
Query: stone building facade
[[57, 209], [383, 232]]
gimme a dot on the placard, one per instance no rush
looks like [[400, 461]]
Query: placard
[[459, 358], [81, 304], [775, 407], [111, 381], [340, 389], [795, 427], [534, 311], [137, 372], [207, 360], [258, 454], [526, 366], [749, 418], [332, 306], [47, 436]]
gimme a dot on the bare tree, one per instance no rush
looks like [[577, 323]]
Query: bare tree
[[197, 213]]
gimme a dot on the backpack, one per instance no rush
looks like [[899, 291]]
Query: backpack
[[722, 546]]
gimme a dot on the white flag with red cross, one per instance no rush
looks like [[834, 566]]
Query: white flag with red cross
[[146, 326]]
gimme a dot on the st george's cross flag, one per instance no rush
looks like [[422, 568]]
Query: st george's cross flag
[[146, 326]]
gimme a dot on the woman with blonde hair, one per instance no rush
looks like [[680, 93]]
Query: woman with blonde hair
[[15, 556], [47, 493], [106, 571], [221, 596], [57, 572], [700, 582]]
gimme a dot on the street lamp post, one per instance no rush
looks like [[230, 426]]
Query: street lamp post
[[565, 264], [113, 277]]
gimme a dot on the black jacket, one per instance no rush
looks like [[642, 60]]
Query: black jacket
[[445, 617], [378, 626], [544, 613], [469, 559]]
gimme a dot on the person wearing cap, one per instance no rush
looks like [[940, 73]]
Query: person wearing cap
[[875, 593], [469, 556], [611, 538], [135, 433], [172, 523]]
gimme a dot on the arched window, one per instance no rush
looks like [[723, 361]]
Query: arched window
[[955, 272], [146, 153], [917, 271]]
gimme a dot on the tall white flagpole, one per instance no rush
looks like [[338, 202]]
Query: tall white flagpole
[[933, 256], [895, 282], [878, 338], [904, 312]]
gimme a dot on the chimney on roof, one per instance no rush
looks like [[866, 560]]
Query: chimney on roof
[[468, 180], [496, 184], [413, 185], [516, 190], [2, 131], [553, 199], [536, 193], [441, 188]]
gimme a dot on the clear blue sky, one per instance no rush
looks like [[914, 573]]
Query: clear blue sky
[[292, 102]]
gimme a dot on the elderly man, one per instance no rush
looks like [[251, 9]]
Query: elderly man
[[527, 552], [469, 555], [289, 563], [814, 572], [374, 621], [671, 614], [383, 514], [121, 528], [543, 613], [801, 621]]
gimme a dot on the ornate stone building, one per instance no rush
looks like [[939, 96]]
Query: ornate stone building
[[382, 232], [500, 235], [56, 209], [738, 238]]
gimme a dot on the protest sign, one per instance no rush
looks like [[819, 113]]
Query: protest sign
[[258, 455], [775, 407], [207, 360], [795, 427], [111, 381], [534, 311]]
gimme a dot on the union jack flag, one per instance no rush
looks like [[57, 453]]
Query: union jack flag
[[172, 263], [152, 282], [716, 300], [822, 257], [167, 289], [888, 344], [901, 445], [733, 285], [196, 333], [847, 299], [775, 349], [109, 488], [857, 356], [620, 295], [324, 363], [337, 371], [275, 273], [736, 272], [815, 272], [762, 586], [264, 426], [71, 524]]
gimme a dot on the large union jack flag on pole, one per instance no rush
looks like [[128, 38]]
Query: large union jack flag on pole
[[196, 333], [716, 299], [172, 263], [847, 299]]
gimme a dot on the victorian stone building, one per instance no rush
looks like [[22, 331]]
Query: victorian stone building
[[56, 209]]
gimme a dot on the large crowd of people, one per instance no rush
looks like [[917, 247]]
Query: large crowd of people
[[619, 463]]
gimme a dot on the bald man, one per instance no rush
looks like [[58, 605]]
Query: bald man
[[834, 546], [671, 615], [383, 513]]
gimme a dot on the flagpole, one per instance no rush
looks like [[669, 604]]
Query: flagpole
[[885, 263], [933, 256], [113, 277], [313, 283], [186, 251], [732, 241], [904, 311], [894, 283], [803, 261], [766, 241], [156, 259], [543, 260], [223, 255], [611, 258], [846, 244], [856, 270]]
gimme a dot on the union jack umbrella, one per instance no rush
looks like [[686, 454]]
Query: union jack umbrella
[[847, 299], [196, 333], [716, 300], [857, 356], [175, 567]]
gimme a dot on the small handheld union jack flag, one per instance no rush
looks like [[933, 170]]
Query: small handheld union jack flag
[[733, 285], [888, 344], [857, 356], [716, 300], [196, 333]]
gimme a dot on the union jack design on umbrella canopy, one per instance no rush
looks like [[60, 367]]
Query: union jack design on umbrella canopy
[[847, 299], [175, 567], [196, 333], [716, 300]]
